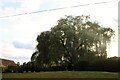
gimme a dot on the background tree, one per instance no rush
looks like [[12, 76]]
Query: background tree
[[73, 39]]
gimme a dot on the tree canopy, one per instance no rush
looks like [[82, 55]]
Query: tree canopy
[[73, 39]]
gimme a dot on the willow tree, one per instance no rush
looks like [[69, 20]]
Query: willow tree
[[74, 38]]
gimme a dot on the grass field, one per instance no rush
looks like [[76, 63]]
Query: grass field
[[62, 74]]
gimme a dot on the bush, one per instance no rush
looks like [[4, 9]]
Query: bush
[[3, 69], [105, 65], [11, 69], [81, 66]]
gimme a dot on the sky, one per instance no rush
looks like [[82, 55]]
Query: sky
[[18, 33]]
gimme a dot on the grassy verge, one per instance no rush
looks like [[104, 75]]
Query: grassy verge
[[62, 74]]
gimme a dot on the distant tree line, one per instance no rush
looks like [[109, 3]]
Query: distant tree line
[[74, 43], [110, 65]]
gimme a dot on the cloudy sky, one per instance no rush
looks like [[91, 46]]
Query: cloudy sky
[[18, 33]]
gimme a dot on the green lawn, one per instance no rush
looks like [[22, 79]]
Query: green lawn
[[62, 74]]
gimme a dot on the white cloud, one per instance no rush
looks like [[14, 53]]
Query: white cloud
[[31, 5], [25, 6], [10, 52], [19, 27], [67, 3]]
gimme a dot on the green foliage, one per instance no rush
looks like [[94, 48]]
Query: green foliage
[[110, 65], [73, 39], [11, 69], [3, 69], [82, 66]]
